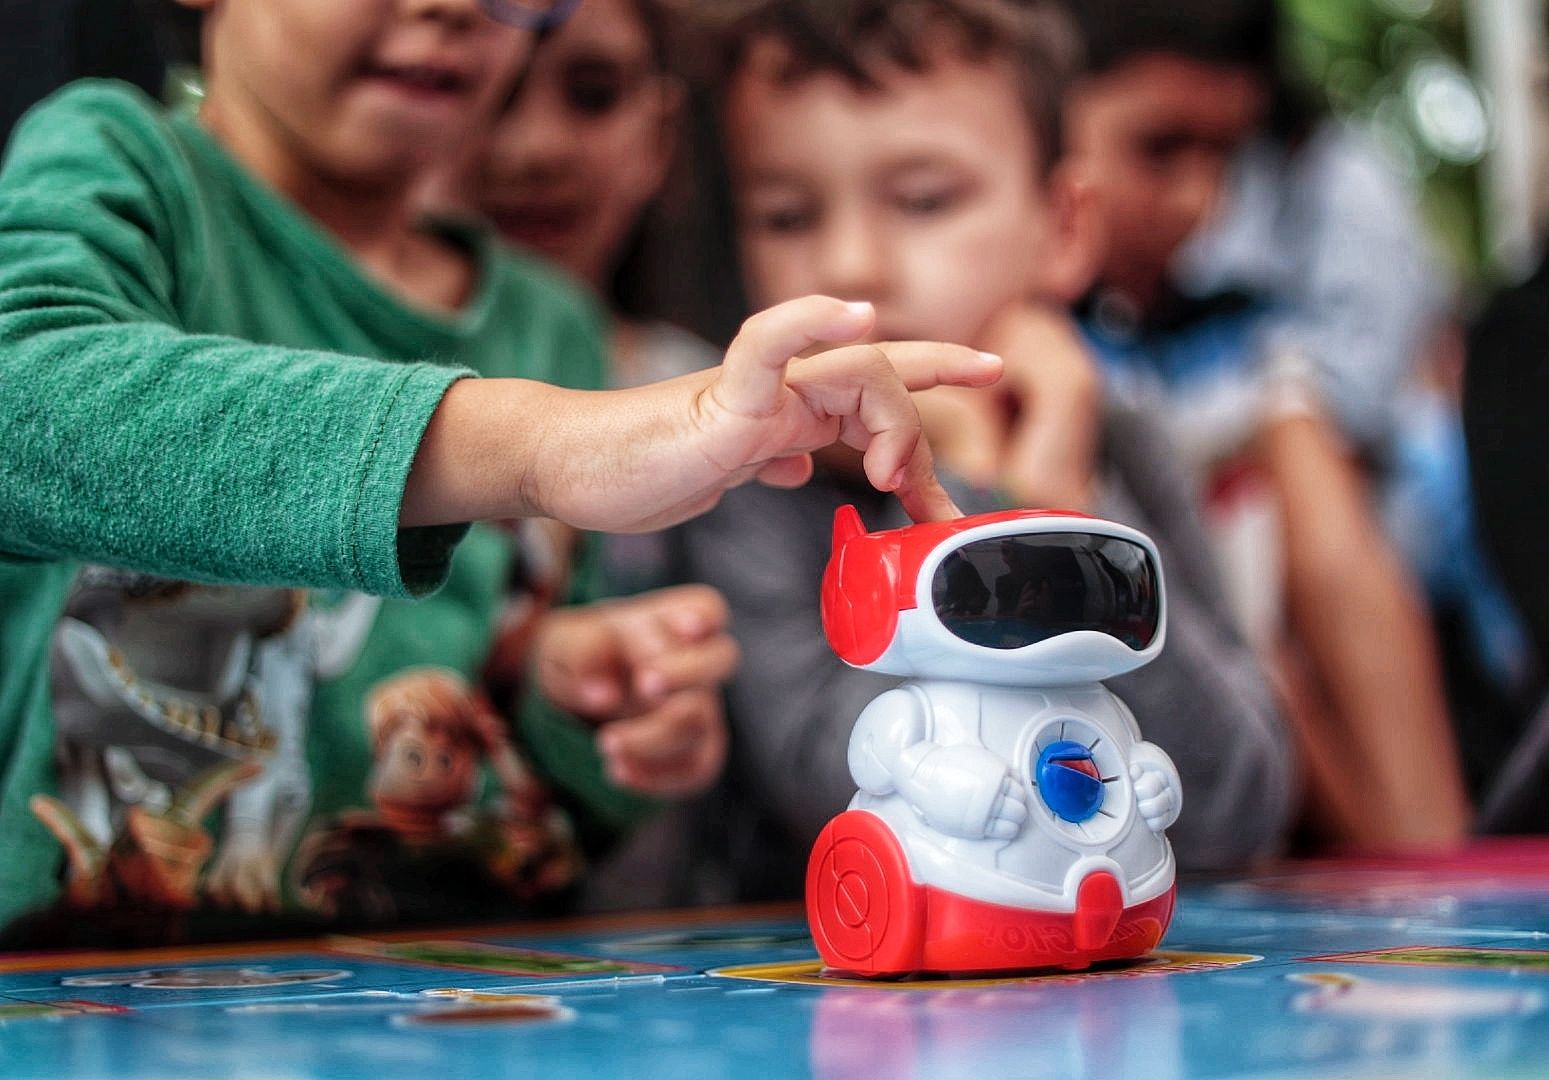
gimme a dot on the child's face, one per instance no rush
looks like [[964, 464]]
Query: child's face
[[573, 163], [1154, 137], [358, 91], [924, 197]]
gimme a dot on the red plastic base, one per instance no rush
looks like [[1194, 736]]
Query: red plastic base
[[869, 917]]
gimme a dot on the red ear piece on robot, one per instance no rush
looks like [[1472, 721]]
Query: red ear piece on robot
[[860, 591]]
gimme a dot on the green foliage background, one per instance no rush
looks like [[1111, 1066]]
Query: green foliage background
[[1385, 65]]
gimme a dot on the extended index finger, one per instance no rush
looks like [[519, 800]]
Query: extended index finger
[[924, 364]]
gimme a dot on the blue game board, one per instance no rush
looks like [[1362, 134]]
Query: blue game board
[[1338, 969]]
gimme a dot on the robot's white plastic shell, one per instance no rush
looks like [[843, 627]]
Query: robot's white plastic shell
[[921, 646], [1044, 864], [1013, 702]]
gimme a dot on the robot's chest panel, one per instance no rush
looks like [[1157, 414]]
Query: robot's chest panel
[[1068, 747]]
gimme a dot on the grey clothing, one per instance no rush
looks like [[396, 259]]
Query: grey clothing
[[792, 704]]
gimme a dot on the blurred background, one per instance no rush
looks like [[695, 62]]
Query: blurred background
[[1453, 90]]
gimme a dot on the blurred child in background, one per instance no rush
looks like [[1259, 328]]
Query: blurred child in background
[[1255, 380], [572, 171], [908, 153]]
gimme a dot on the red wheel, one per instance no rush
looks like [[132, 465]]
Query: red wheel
[[866, 913]]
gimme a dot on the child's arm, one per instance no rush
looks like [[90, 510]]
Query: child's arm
[[635, 460], [1392, 777], [131, 442]]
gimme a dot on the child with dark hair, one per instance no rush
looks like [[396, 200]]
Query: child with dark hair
[[573, 170], [909, 153], [1286, 206], [1318, 325]]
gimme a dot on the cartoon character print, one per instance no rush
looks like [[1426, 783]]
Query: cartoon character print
[[170, 700], [174, 701], [432, 735]]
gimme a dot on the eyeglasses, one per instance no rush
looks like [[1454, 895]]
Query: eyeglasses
[[1012, 591], [529, 14]]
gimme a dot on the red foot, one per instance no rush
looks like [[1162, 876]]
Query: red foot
[[1099, 905], [869, 917]]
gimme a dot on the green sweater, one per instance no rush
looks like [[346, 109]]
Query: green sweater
[[193, 386]]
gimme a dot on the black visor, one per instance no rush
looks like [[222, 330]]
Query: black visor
[[1009, 591]]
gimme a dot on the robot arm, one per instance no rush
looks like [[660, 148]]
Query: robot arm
[[959, 790], [1158, 793]]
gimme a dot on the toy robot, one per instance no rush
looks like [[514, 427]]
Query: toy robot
[[1009, 815]]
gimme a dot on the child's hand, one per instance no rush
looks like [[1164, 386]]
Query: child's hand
[[618, 658], [674, 750], [762, 413], [1035, 433], [648, 670], [635, 460], [1053, 394]]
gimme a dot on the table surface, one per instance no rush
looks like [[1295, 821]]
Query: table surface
[[1369, 968]]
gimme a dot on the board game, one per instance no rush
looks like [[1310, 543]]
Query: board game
[[1355, 969]]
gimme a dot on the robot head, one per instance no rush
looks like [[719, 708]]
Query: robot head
[[1019, 597]]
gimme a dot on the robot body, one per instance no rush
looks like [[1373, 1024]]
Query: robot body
[[1009, 814]]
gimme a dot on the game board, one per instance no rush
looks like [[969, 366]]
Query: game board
[[1433, 968]]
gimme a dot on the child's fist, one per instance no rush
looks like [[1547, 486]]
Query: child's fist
[[623, 657], [675, 749]]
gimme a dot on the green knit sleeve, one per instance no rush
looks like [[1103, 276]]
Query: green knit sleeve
[[130, 442]]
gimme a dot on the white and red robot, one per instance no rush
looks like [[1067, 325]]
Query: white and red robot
[[1009, 815]]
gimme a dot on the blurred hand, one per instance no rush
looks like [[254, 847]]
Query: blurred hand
[[648, 671], [1056, 390], [1035, 433], [618, 658], [673, 750]]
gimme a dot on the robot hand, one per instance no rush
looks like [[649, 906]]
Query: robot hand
[[962, 791], [1158, 793]]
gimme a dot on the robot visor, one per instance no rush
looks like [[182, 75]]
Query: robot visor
[[1007, 592]]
